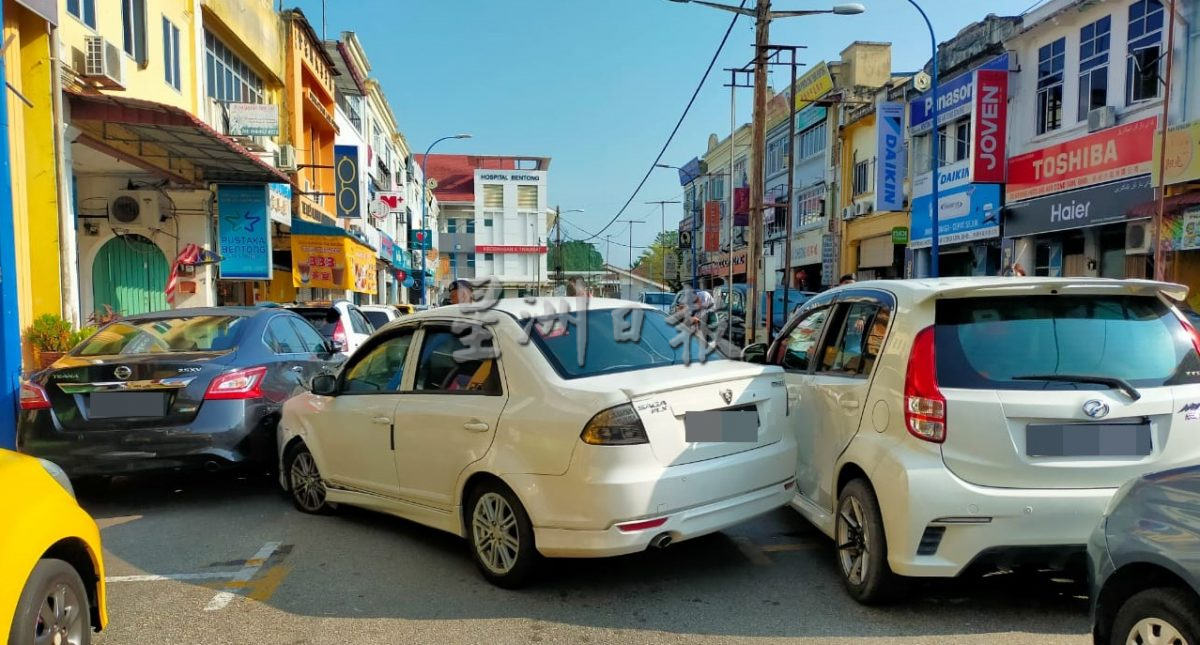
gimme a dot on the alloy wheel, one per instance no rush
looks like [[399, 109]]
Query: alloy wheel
[[494, 529], [60, 618], [852, 540], [1155, 631], [307, 487]]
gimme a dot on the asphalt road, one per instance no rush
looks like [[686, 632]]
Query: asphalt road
[[230, 561]]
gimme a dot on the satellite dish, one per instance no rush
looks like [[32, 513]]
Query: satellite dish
[[923, 81], [431, 183]]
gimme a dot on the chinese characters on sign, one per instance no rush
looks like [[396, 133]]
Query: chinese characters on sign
[[243, 232], [333, 262]]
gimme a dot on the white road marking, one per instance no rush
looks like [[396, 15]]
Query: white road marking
[[247, 572], [207, 575]]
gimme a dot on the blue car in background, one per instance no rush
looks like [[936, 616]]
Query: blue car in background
[[779, 314]]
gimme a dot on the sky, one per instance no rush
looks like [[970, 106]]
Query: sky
[[597, 85]]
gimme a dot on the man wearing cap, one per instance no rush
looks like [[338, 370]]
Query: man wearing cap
[[461, 292]]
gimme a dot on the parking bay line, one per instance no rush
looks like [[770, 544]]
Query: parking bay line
[[752, 551], [207, 575], [222, 599]]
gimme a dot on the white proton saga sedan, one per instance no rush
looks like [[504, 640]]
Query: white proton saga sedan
[[945, 423], [581, 434]]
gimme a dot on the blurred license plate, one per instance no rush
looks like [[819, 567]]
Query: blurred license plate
[[1088, 440], [712, 426], [107, 405]]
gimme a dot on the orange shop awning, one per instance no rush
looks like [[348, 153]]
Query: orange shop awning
[[167, 140]]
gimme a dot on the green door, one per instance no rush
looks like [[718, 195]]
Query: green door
[[130, 275]]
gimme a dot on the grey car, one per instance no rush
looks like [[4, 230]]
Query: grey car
[[1144, 561]]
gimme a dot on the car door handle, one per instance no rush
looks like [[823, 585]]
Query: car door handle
[[476, 426], [298, 369], [383, 421], [849, 404]]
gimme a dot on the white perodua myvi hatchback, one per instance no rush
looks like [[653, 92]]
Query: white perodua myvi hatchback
[[980, 421]]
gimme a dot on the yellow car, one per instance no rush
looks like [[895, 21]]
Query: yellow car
[[51, 572]]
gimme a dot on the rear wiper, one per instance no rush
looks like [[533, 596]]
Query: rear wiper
[[1111, 381]]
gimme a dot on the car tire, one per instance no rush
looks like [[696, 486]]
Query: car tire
[[862, 546], [305, 485], [1157, 612], [53, 600], [500, 536]]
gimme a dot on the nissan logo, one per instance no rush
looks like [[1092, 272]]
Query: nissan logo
[[1095, 409], [122, 372]]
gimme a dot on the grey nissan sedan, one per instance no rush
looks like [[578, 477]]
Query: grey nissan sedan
[[1144, 560]]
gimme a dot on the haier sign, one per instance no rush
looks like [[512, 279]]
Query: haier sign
[[955, 99]]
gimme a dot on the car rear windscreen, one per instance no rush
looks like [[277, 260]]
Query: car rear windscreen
[[604, 341], [658, 298], [325, 320], [162, 335], [1000, 342]]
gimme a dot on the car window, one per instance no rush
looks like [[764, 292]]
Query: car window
[[376, 318], [381, 369], [853, 349], [359, 324], [161, 335], [282, 337], [312, 340], [796, 352], [457, 362], [1003, 342], [324, 319]]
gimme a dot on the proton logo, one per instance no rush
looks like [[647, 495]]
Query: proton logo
[[727, 395], [122, 372], [1095, 409]]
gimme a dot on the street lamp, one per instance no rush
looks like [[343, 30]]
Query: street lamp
[[934, 153], [690, 179], [763, 16], [424, 211]]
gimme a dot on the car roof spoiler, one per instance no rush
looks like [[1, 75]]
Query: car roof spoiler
[[1097, 286]]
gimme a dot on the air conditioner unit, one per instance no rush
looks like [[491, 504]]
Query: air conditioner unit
[[135, 209], [1101, 118], [287, 158], [864, 207], [849, 212], [104, 63], [1138, 238]]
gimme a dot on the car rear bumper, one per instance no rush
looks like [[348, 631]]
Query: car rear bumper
[[576, 514], [223, 434], [937, 524]]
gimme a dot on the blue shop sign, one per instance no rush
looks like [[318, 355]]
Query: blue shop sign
[[954, 98], [966, 211], [810, 116], [244, 232]]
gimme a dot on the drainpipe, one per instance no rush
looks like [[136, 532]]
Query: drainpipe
[[10, 328], [68, 250]]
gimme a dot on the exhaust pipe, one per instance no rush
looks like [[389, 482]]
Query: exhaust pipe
[[661, 541]]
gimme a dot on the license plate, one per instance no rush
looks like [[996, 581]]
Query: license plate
[[716, 426], [1088, 440], [108, 405]]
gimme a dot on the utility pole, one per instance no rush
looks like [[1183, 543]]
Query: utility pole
[[758, 145], [558, 269], [631, 222], [1160, 259], [733, 86], [791, 210], [662, 205]]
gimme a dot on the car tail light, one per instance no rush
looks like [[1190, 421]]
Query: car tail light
[[33, 397], [641, 525], [1191, 330], [924, 405], [242, 384], [619, 426], [339, 334]]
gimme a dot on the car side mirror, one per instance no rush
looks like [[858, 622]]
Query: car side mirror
[[756, 353], [324, 385]]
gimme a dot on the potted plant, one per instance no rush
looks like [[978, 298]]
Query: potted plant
[[51, 336]]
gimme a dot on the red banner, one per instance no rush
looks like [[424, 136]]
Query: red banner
[[741, 206], [508, 248], [712, 226], [1116, 153], [989, 135]]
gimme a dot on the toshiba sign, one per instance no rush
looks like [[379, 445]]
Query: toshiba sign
[[988, 135], [1116, 153]]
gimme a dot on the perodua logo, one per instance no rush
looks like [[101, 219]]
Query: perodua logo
[[1095, 409]]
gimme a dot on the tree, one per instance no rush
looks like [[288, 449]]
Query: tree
[[576, 256], [666, 245]]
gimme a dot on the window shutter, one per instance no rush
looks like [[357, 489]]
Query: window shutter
[[527, 197], [493, 196]]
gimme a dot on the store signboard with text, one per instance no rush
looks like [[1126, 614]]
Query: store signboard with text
[[333, 262], [244, 232], [1119, 152], [966, 211]]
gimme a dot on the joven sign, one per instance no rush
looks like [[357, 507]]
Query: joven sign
[[988, 135], [891, 157]]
